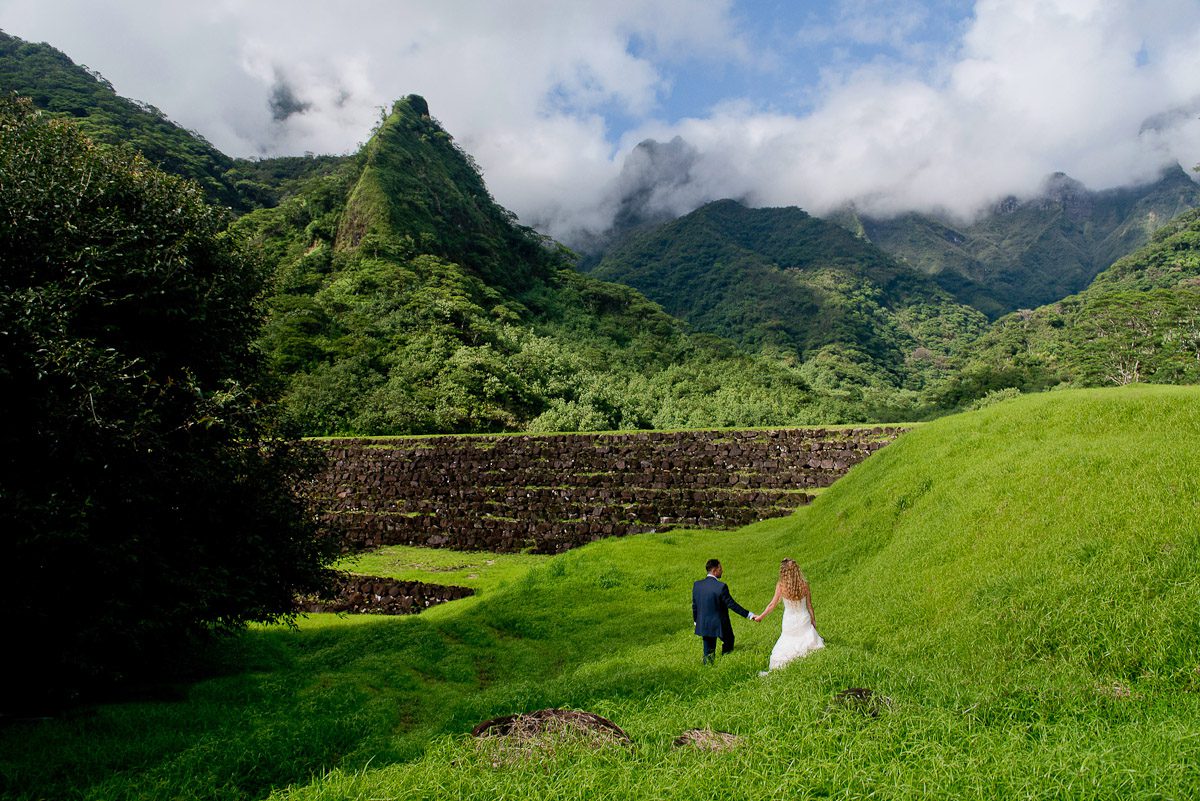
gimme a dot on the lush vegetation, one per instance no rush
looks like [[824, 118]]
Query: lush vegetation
[[1019, 581], [781, 281], [1028, 253], [146, 494], [1138, 321], [409, 302], [63, 88], [405, 300]]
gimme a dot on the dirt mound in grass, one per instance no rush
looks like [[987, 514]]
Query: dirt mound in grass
[[551, 721], [512, 738], [707, 740]]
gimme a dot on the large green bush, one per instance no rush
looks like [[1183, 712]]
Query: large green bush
[[144, 492]]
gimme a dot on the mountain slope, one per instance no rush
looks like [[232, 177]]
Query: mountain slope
[[59, 86], [782, 280], [409, 302], [1138, 321], [1027, 253]]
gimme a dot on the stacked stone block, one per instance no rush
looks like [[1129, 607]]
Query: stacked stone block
[[554, 492], [383, 596]]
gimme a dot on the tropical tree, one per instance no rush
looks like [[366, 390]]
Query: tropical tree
[[145, 493]]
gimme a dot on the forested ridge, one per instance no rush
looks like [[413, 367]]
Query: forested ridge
[[1139, 320], [779, 280], [62, 88], [405, 300], [408, 301]]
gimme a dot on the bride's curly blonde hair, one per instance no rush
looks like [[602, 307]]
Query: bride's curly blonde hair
[[792, 581]]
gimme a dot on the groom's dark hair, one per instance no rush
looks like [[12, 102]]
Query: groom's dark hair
[[711, 565]]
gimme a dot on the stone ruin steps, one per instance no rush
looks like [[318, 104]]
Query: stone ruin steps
[[550, 493], [380, 595]]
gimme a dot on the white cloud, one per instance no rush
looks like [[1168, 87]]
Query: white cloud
[[531, 87], [1036, 87]]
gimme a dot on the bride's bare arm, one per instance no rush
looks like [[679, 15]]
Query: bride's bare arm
[[774, 601], [808, 602]]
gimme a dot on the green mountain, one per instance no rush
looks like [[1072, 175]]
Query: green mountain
[[1027, 253], [1138, 321], [409, 302], [63, 88], [779, 280], [60, 87]]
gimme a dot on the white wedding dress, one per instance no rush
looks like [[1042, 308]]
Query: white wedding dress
[[799, 636]]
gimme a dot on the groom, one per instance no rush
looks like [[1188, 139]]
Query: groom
[[711, 603]]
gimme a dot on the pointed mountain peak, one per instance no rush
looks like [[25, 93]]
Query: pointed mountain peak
[[1060, 187], [418, 190], [415, 103]]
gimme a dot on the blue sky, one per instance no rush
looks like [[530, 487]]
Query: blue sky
[[795, 43], [890, 105]]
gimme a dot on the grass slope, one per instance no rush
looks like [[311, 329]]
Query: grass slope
[[1021, 581]]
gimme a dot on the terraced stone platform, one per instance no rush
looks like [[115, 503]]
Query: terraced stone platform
[[554, 492]]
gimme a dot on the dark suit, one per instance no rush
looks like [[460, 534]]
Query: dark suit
[[711, 603]]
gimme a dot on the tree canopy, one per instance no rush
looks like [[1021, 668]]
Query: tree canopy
[[144, 490]]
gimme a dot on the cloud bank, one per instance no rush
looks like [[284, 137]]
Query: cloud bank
[[1106, 92], [553, 104]]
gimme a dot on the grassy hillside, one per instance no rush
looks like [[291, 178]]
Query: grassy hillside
[[1020, 581], [1138, 321], [1028, 253]]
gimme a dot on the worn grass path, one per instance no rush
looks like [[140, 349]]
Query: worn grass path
[[1023, 582]]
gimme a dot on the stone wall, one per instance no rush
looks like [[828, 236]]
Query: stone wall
[[383, 596], [554, 492]]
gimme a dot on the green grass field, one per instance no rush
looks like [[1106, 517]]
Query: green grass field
[[1023, 582]]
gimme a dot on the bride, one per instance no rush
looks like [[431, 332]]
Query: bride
[[799, 635]]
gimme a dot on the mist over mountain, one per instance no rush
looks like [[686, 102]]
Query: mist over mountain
[[1138, 321], [897, 108], [1025, 252], [1018, 252]]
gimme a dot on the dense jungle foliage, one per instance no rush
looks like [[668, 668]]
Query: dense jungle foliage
[[146, 491], [1138, 321], [776, 279], [409, 302]]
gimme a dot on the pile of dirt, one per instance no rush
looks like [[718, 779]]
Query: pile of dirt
[[707, 740], [528, 735]]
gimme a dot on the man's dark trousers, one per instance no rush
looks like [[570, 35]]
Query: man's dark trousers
[[711, 604]]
